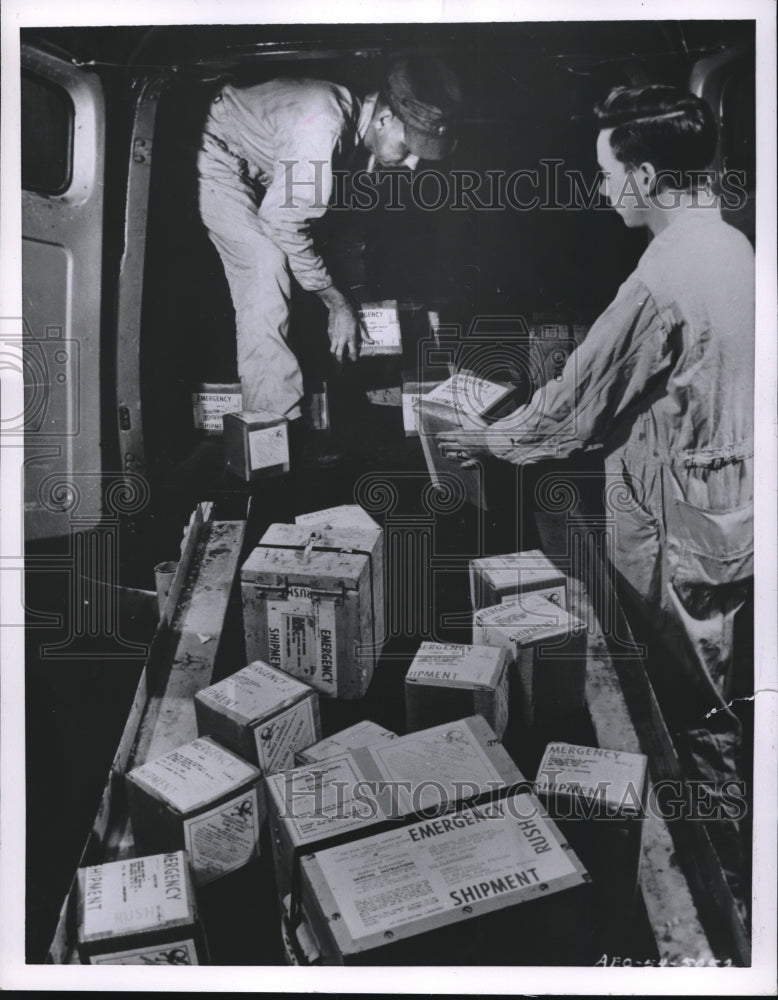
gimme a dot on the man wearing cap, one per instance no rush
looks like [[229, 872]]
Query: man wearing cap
[[266, 165]]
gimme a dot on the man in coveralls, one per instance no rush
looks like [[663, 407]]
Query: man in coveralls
[[283, 139], [664, 383]]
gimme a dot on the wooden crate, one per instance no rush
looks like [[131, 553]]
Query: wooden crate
[[256, 444], [496, 579], [313, 605], [260, 713]]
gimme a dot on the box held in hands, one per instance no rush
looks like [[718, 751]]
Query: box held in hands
[[260, 713], [139, 911], [449, 681], [201, 798]]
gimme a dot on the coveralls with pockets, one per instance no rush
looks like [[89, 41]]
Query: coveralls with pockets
[[265, 167], [664, 382]]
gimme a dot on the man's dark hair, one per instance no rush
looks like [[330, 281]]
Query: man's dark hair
[[672, 130]]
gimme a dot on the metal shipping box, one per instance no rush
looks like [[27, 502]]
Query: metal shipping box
[[342, 797], [260, 713], [382, 322], [139, 911], [256, 444], [313, 604], [366, 902], [458, 404], [362, 734], [599, 796], [548, 645], [202, 798], [447, 681], [495, 579]]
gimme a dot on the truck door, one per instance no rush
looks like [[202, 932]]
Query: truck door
[[62, 217]]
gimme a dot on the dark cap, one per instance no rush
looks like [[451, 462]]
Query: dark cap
[[424, 94]]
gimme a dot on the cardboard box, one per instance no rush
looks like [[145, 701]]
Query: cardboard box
[[548, 645], [313, 603], [211, 400], [256, 444], [260, 713], [412, 391], [503, 862], [497, 579], [448, 681], [382, 322], [458, 404], [139, 911], [363, 734], [342, 797], [598, 795], [200, 798]]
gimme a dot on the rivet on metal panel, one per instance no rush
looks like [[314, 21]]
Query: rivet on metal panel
[[467, 909], [543, 886], [388, 935]]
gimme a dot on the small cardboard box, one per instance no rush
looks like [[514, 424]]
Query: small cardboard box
[[458, 404], [341, 797], [599, 795], [262, 714], [412, 391], [382, 322], [256, 444], [387, 898], [202, 798], [498, 579], [448, 681], [548, 645], [362, 734], [210, 401], [313, 603], [139, 911]]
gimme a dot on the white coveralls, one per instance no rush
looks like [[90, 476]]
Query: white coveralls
[[664, 382], [281, 139]]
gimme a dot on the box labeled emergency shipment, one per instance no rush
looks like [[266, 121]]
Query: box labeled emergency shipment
[[260, 713], [210, 401], [341, 797], [497, 579], [256, 444], [599, 796], [381, 321], [201, 798], [362, 734], [458, 404], [313, 603], [548, 646], [139, 911], [448, 681], [502, 862], [412, 391]]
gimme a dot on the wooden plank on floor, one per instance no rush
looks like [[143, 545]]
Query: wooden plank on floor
[[161, 717]]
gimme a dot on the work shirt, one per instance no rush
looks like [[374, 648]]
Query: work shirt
[[287, 136], [664, 383]]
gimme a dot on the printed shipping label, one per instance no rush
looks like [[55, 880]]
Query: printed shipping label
[[133, 895], [223, 839], [428, 767], [324, 799], [268, 446], [174, 953], [383, 327], [463, 666], [615, 776], [494, 852], [302, 638], [253, 691], [194, 774], [279, 738], [362, 734], [467, 394], [210, 407]]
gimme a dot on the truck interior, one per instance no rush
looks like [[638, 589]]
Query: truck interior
[[167, 324]]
